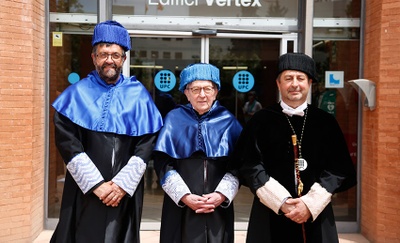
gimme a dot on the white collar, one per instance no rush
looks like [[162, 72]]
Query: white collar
[[298, 111]]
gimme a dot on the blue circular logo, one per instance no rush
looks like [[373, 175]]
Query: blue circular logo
[[243, 81], [165, 80], [73, 78]]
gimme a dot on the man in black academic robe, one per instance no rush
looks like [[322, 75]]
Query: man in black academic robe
[[282, 211], [105, 126]]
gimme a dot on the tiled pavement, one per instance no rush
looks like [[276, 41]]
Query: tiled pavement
[[152, 213], [152, 237]]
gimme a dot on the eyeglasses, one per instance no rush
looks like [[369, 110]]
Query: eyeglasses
[[197, 90], [115, 56]]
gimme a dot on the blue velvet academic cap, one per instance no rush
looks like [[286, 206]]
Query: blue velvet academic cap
[[111, 32], [299, 62], [199, 71]]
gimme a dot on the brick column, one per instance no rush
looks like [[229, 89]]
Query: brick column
[[380, 215], [22, 119]]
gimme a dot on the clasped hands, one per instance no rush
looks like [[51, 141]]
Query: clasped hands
[[205, 203], [296, 210], [109, 193]]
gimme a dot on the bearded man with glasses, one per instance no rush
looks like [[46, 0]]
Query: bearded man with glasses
[[106, 125], [191, 157]]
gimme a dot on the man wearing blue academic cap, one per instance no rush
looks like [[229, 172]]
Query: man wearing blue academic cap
[[105, 127], [192, 153]]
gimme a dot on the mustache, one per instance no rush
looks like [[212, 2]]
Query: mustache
[[294, 90], [108, 65]]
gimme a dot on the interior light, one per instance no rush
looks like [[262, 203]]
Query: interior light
[[235, 68]]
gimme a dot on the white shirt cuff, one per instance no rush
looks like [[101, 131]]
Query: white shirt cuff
[[273, 194], [128, 178], [316, 199], [84, 172], [174, 186], [228, 186]]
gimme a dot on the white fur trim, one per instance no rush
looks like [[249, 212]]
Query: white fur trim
[[84, 172], [316, 199], [273, 194], [129, 176], [175, 186], [228, 186]]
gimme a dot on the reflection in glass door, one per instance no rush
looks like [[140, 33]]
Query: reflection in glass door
[[258, 57]]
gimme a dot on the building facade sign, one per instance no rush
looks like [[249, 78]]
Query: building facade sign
[[207, 8], [208, 3]]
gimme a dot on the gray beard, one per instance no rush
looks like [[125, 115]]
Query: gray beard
[[111, 76]]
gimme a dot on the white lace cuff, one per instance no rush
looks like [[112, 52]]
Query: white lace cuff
[[84, 172], [316, 199], [129, 176], [228, 186], [273, 194], [174, 186]]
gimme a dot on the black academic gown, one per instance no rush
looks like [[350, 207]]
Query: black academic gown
[[108, 122], [182, 224], [83, 217], [265, 150], [208, 140]]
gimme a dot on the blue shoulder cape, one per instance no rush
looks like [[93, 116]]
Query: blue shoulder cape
[[184, 132], [123, 108]]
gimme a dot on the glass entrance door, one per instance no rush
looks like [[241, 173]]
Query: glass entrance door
[[149, 55]]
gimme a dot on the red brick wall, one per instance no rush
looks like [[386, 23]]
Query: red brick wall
[[381, 132], [22, 128]]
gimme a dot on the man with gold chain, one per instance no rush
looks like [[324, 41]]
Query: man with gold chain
[[293, 180]]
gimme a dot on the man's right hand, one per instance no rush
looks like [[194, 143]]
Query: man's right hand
[[287, 208], [103, 190], [110, 193], [198, 203]]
